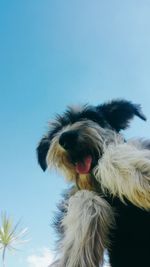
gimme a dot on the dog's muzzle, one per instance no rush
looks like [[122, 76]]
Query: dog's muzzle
[[81, 155]]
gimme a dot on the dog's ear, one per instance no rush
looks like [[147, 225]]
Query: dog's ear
[[118, 113], [42, 150]]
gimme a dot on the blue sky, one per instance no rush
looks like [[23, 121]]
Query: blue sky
[[53, 54]]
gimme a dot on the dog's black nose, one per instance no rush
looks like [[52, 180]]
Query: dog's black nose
[[68, 140]]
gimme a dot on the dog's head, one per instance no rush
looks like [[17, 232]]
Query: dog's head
[[76, 140]]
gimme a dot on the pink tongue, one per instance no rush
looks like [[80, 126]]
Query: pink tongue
[[85, 166]]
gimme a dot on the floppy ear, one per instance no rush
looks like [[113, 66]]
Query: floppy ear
[[118, 113], [42, 150]]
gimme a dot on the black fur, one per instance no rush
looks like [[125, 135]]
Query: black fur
[[42, 150], [118, 113], [130, 238]]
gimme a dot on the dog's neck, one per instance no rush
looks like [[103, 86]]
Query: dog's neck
[[87, 182]]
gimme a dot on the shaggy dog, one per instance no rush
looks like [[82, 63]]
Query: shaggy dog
[[107, 208]]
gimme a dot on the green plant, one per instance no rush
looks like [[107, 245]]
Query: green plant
[[10, 235]]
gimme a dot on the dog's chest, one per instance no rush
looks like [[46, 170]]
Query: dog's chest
[[131, 235]]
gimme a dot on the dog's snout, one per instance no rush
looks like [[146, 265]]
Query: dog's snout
[[68, 140]]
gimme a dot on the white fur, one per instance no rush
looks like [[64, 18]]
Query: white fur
[[124, 170], [86, 224]]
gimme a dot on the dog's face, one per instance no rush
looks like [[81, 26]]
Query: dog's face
[[76, 140]]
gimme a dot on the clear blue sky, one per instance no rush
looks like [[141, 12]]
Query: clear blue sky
[[52, 54]]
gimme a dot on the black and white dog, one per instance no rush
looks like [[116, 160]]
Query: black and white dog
[[108, 208]]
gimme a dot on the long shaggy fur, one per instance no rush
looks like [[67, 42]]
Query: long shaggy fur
[[124, 170], [86, 225], [111, 177]]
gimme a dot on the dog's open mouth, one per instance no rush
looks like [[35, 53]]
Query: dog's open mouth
[[84, 166]]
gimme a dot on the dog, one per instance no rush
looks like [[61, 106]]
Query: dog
[[107, 207]]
